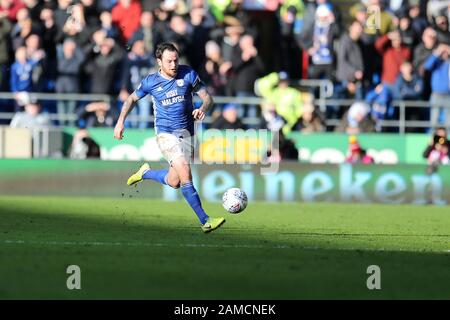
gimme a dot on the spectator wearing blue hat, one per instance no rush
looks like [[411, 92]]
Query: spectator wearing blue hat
[[228, 119]]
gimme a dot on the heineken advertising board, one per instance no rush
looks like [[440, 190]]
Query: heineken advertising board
[[293, 182]]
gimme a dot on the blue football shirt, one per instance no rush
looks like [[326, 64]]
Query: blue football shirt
[[172, 99]]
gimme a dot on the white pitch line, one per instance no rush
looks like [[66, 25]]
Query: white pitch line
[[191, 245], [139, 244]]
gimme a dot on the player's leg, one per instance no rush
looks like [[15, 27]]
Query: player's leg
[[182, 168], [168, 145], [172, 178], [163, 176]]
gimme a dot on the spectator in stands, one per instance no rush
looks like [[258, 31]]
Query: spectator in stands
[[235, 9], [5, 29], [161, 22], [83, 146], [93, 46], [35, 53], [48, 35], [271, 120], [208, 20], [179, 34], [108, 5], [247, 66], [310, 7], [421, 54], [283, 149], [380, 100], [376, 13], [439, 133], [147, 32], [408, 35], [438, 155], [357, 119], [215, 71], [74, 26], [21, 72], [275, 89], [178, 7], [199, 36], [418, 20], [441, 26], [138, 63], [310, 120], [356, 154], [350, 64], [377, 22], [10, 8], [23, 28], [230, 42], [435, 8], [34, 8], [31, 117], [290, 15], [92, 15], [62, 13], [228, 119], [97, 114], [320, 47], [394, 53], [70, 60], [107, 25], [439, 66], [409, 85], [396, 7], [40, 24], [102, 67], [126, 15]]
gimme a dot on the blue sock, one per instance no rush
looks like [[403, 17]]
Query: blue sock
[[191, 196], [157, 175]]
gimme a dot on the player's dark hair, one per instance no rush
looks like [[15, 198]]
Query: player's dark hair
[[161, 47]]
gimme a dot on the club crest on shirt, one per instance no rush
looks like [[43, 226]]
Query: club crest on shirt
[[180, 82]]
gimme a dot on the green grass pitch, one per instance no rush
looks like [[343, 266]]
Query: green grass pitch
[[133, 248]]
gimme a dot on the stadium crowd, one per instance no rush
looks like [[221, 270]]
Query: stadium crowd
[[390, 50]]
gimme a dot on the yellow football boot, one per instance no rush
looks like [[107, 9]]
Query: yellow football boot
[[212, 224], [137, 176]]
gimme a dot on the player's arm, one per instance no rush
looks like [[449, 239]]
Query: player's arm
[[199, 114], [127, 106]]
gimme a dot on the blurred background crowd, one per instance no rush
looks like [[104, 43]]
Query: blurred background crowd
[[374, 52]]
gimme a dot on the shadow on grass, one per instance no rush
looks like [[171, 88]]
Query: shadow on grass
[[133, 252]]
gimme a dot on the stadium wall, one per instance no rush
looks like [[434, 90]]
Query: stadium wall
[[293, 182]]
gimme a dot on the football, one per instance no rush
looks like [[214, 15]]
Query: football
[[234, 200]]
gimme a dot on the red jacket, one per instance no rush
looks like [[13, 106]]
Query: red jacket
[[127, 19], [12, 10], [392, 58]]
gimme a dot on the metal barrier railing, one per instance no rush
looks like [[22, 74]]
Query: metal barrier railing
[[59, 96], [401, 122], [325, 87]]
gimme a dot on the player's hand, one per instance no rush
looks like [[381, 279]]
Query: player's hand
[[198, 114], [118, 131]]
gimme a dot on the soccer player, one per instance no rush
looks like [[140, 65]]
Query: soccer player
[[171, 89]]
